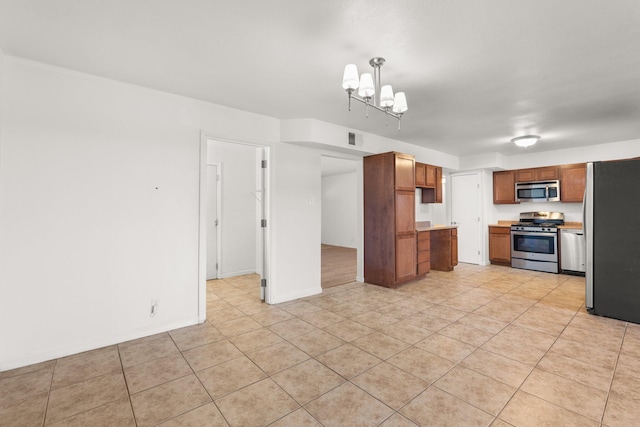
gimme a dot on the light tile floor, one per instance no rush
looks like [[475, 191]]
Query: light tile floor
[[475, 347]]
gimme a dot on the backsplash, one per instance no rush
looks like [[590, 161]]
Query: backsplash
[[572, 211]]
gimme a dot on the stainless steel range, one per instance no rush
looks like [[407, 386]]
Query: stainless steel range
[[534, 241]]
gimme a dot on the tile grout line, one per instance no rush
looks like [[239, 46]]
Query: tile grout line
[[46, 410]]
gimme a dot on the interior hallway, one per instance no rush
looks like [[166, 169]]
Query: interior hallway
[[475, 347]]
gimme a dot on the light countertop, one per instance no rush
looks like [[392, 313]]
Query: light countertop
[[426, 226]]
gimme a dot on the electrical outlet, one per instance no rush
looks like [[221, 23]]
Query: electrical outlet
[[155, 306]]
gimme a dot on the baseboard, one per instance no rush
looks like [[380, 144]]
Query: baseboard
[[51, 354], [298, 294], [237, 273]]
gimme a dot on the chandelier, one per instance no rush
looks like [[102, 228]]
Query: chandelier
[[371, 94]]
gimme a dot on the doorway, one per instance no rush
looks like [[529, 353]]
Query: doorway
[[234, 182], [339, 229], [466, 214]]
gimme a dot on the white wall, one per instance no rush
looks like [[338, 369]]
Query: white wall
[[340, 210], [99, 188], [238, 222]]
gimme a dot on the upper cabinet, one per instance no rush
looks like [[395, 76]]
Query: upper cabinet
[[404, 172], [537, 174], [429, 178], [421, 180], [504, 187], [573, 179], [572, 182]]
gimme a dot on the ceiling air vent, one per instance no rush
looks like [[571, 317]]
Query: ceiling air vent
[[355, 140]]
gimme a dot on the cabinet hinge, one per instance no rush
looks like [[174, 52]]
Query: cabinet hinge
[[263, 164], [263, 223], [263, 283], [216, 265]]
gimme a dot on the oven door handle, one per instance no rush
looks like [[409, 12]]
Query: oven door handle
[[533, 233]]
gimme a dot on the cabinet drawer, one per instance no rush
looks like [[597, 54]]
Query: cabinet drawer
[[424, 245], [500, 230], [423, 235], [424, 267], [424, 256]]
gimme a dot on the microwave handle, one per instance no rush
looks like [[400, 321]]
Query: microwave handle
[[546, 191]]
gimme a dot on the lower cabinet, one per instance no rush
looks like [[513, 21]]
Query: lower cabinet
[[444, 249], [405, 257], [500, 245], [424, 252]]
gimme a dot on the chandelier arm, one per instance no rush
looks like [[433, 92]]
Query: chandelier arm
[[392, 114]]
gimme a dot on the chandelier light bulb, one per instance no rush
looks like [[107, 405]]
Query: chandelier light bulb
[[350, 78], [367, 89], [400, 103], [386, 96]]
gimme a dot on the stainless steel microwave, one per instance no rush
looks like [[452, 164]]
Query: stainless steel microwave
[[538, 191]]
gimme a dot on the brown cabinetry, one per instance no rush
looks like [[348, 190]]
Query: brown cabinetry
[[500, 245], [438, 185], [444, 249], [421, 179], [389, 219], [504, 187], [424, 252], [537, 174], [573, 179], [429, 178]]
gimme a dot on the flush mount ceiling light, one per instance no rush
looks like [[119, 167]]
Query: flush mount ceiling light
[[525, 141], [371, 94]]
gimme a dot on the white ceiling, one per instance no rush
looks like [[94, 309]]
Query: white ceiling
[[476, 73]]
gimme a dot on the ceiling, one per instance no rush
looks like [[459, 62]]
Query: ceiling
[[476, 73]]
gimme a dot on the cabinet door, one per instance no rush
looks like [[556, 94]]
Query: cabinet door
[[404, 172], [547, 174], [537, 174], [573, 179], [405, 257], [454, 246], [504, 191], [438, 185], [500, 245], [430, 176], [524, 175], [420, 174], [405, 212]]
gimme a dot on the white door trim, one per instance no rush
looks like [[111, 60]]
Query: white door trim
[[202, 230], [218, 166]]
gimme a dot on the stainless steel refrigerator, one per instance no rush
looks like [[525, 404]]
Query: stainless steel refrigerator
[[612, 231]]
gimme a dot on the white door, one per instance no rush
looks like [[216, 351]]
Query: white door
[[212, 222], [465, 213]]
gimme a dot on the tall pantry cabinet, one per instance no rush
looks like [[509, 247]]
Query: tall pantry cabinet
[[389, 219]]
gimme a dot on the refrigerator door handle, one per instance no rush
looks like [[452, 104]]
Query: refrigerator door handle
[[587, 227]]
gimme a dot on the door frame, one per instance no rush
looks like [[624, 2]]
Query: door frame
[[202, 230], [218, 166]]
